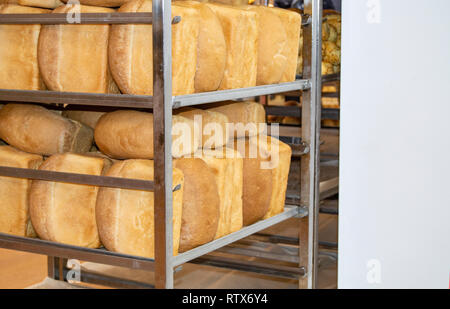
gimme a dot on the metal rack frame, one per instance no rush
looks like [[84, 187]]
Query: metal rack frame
[[162, 103]]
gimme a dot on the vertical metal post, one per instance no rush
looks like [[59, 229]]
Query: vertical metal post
[[162, 140], [311, 107], [55, 267]]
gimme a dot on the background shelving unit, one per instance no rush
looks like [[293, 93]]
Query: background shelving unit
[[162, 103]]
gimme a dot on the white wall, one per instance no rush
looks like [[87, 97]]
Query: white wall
[[394, 228]]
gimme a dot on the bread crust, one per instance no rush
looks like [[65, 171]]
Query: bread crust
[[201, 203], [14, 204], [125, 218], [64, 212], [34, 129]]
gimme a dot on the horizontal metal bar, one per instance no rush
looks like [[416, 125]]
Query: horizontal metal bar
[[252, 252], [91, 277], [276, 239], [296, 111], [233, 94], [251, 266], [84, 18], [101, 181], [289, 212], [49, 248], [77, 98], [331, 77], [328, 244]]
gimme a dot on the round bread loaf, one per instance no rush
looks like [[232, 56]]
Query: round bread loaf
[[201, 203]]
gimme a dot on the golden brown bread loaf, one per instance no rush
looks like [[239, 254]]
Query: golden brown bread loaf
[[103, 3], [14, 202], [88, 118], [227, 167], [212, 126], [201, 203], [257, 180], [65, 212], [19, 52], [272, 41], [34, 129], [125, 218], [75, 57], [131, 54], [211, 49], [280, 156], [46, 4], [240, 28], [128, 134], [245, 118], [292, 23]]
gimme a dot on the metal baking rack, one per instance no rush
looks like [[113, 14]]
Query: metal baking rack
[[162, 103]]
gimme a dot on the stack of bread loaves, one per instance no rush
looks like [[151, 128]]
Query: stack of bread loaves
[[215, 46], [227, 172]]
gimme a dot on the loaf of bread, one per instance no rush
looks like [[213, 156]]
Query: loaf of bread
[[46, 4], [201, 203], [19, 51], [34, 129], [245, 118], [128, 134], [227, 167], [131, 51], [211, 49], [280, 158], [75, 57], [292, 23], [212, 126], [88, 118], [14, 203], [272, 41], [257, 180], [65, 212], [125, 218], [240, 27], [103, 3]]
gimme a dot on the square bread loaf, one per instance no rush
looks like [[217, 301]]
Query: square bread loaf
[[131, 51], [212, 126], [240, 28], [35, 129], [227, 167], [211, 49], [127, 134], [272, 41], [125, 218], [292, 23], [245, 118], [19, 51], [65, 212], [201, 203], [75, 57], [46, 4], [14, 202]]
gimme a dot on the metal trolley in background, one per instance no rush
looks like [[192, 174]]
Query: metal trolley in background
[[162, 103]]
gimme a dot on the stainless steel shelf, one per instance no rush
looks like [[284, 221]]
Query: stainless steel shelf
[[76, 98], [233, 94], [289, 212], [55, 249], [83, 179]]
